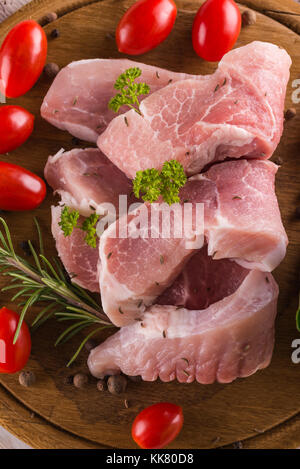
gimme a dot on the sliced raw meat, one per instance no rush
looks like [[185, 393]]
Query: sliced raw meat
[[237, 111], [242, 217], [231, 338], [87, 181], [79, 259], [77, 101], [241, 221], [203, 281], [135, 270]]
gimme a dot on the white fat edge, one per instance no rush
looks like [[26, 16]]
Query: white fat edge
[[198, 177], [80, 131], [84, 207], [253, 294], [54, 158], [269, 262], [226, 135], [88, 61], [75, 63]]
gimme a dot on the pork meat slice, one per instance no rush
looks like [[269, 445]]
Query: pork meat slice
[[241, 221], [78, 98], [87, 181], [230, 338], [203, 281], [79, 259], [237, 111], [135, 269], [241, 215]]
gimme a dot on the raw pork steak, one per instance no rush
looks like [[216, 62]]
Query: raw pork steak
[[135, 270], [237, 111], [86, 180], [241, 221], [77, 101], [228, 339], [79, 259], [203, 281]]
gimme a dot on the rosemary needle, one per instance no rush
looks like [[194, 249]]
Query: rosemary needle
[[46, 282]]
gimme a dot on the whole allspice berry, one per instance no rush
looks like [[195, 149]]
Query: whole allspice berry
[[135, 379], [101, 385], [278, 160], [117, 384], [27, 378], [90, 344], [80, 380], [290, 113], [51, 69], [50, 17], [248, 18]]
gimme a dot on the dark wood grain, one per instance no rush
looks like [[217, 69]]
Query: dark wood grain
[[215, 415]]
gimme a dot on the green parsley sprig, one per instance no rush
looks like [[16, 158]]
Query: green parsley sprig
[[69, 220], [150, 184], [129, 90], [89, 227]]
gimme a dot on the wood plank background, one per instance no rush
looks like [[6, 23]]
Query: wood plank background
[[23, 422]]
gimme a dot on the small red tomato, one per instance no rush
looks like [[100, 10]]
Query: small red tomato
[[216, 28], [19, 188], [16, 126], [157, 425], [13, 357], [22, 58], [145, 24]]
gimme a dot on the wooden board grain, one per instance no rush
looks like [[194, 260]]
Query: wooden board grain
[[262, 410]]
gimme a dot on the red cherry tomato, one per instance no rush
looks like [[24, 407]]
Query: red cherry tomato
[[216, 28], [19, 189], [22, 58], [13, 357], [157, 425], [145, 25], [16, 126]]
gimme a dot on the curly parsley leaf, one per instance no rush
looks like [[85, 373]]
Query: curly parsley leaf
[[172, 179], [68, 220], [89, 226], [150, 184], [147, 184], [129, 90]]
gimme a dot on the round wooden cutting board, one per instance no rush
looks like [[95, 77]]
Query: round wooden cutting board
[[263, 410]]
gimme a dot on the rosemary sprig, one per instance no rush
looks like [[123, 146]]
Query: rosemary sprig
[[46, 282]]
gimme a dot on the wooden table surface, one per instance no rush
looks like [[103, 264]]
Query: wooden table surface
[[7, 440]]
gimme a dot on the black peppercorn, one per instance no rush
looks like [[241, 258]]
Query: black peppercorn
[[54, 33]]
